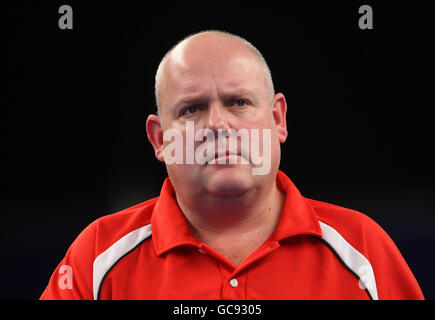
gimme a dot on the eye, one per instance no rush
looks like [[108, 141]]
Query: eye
[[190, 110], [239, 103]]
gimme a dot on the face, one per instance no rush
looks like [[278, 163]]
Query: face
[[218, 84]]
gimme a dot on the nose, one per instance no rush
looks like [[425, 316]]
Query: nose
[[217, 118]]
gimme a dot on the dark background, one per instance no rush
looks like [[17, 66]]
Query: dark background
[[360, 130]]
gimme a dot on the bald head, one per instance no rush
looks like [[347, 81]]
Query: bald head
[[209, 46]]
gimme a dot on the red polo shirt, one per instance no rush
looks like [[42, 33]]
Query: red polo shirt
[[318, 251]]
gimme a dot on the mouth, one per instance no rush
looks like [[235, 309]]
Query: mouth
[[227, 157]]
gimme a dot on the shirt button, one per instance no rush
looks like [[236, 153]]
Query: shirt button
[[234, 283]]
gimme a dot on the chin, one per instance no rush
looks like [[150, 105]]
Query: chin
[[229, 181]]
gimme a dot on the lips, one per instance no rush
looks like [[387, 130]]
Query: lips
[[213, 159]]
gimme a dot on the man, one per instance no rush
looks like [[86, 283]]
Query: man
[[221, 227]]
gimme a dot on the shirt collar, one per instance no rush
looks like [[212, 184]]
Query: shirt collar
[[168, 225], [170, 228], [298, 216]]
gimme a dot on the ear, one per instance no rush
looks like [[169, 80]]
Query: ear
[[155, 135], [279, 115]]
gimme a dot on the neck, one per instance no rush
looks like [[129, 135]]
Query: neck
[[248, 218]]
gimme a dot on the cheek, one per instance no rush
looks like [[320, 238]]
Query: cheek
[[259, 120]]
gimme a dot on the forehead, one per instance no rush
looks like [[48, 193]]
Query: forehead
[[225, 73], [197, 69]]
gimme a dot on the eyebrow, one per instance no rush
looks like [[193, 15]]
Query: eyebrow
[[188, 98], [241, 93], [230, 94]]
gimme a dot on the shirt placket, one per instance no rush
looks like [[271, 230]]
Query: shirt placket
[[234, 280], [234, 283]]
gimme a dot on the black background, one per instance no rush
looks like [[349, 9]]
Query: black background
[[359, 117]]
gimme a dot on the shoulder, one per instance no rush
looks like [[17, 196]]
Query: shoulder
[[128, 219], [355, 231], [108, 229], [368, 251], [99, 245], [353, 225]]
